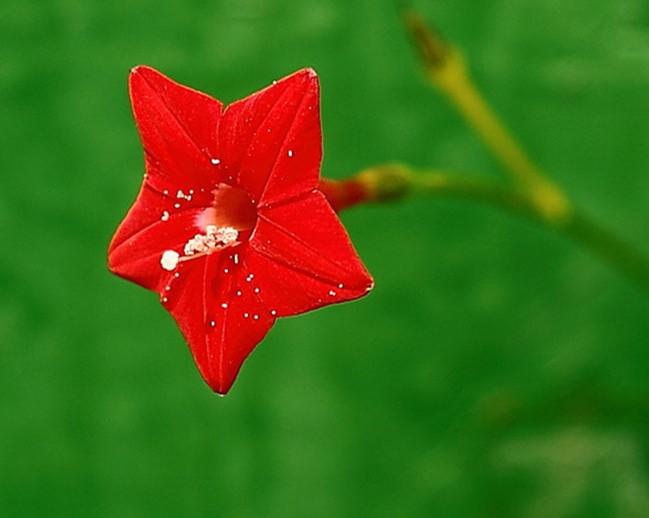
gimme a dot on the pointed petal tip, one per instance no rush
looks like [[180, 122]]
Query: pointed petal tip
[[142, 69], [311, 75], [221, 385], [364, 291], [111, 262], [304, 76], [139, 70], [143, 72], [147, 74]]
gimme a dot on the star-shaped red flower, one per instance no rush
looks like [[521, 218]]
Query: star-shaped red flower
[[229, 227]]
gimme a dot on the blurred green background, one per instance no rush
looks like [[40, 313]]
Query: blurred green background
[[497, 369]]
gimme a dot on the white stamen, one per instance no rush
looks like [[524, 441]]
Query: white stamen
[[214, 237], [169, 259], [227, 235]]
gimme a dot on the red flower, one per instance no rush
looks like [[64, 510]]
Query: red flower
[[229, 227]]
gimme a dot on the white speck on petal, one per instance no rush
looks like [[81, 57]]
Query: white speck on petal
[[177, 205], [256, 290], [290, 153], [273, 312], [332, 293], [246, 315], [165, 216], [238, 293], [212, 323], [341, 286], [256, 317], [176, 275], [224, 305], [225, 270], [215, 161], [164, 299], [236, 258], [169, 260]]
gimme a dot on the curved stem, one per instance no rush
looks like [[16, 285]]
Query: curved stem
[[446, 69], [397, 182]]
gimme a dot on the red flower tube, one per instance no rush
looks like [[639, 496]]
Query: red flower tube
[[229, 227]]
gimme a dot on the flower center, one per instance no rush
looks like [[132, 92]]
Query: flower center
[[231, 214], [231, 207]]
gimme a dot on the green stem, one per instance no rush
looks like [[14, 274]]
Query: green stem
[[618, 253], [446, 70], [397, 182]]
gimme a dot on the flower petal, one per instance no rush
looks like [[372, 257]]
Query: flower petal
[[272, 139], [306, 256], [178, 127], [153, 225], [219, 314]]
